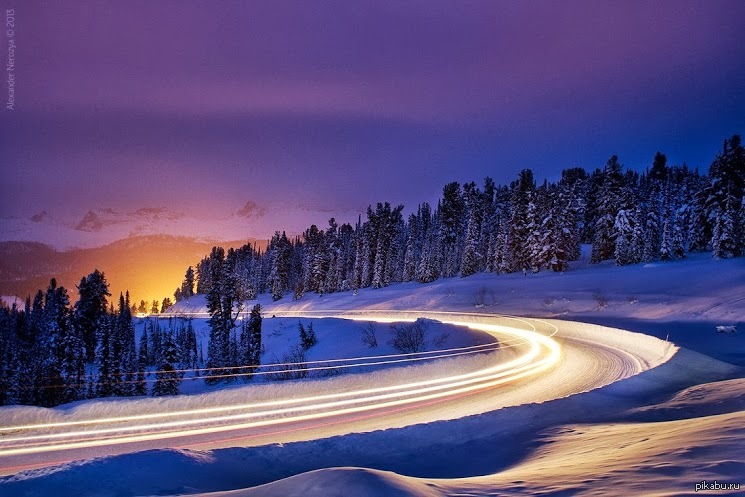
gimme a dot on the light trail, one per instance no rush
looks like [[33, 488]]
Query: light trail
[[541, 353]]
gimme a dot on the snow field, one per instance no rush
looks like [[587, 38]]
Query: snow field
[[653, 433]]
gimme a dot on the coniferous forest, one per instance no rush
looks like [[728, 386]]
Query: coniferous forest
[[53, 351], [659, 215]]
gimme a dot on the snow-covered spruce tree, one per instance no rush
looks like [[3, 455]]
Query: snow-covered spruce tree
[[427, 269], [594, 185], [487, 206], [347, 246], [569, 208], [557, 231], [382, 232], [451, 221], [637, 236], [473, 258], [104, 386], [307, 335], [536, 233], [155, 351], [699, 229], [89, 309], [124, 358], [250, 343], [427, 266], [623, 232], [357, 269], [394, 265], [332, 251], [10, 347], [279, 274], [313, 264], [652, 231], [167, 378], [312, 339], [255, 340], [140, 386], [724, 199], [678, 237], [7, 344], [609, 203], [189, 352], [303, 335], [666, 245], [505, 258], [724, 240], [60, 352], [413, 248], [187, 286], [27, 330], [223, 309], [522, 195]]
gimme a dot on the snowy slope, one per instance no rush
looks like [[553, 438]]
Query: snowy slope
[[658, 433], [684, 301]]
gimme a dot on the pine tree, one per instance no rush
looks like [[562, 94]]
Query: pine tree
[[473, 257], [167, 379], [59, 351], [224, 307], [517, 254], [279, 275], [187, 286], [123, 350], [250, 341], [307, 336], [725, 197], [623, 233], [90, 309], [312, 339], [610, 202], [678, 241], [140, 386], [165, 305], [450, 214], [104, 358], [303, 334]]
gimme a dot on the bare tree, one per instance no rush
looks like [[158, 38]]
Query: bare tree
[[409, 337], [368, 335]]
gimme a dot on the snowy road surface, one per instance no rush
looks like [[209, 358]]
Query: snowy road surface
[[534, 361]]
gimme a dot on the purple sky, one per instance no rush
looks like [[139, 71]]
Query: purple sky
[[342, 103]]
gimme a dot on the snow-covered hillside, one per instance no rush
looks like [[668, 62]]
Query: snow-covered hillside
[[660, 432], [684, 301]]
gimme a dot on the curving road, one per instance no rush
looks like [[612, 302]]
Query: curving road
[[535, 361]]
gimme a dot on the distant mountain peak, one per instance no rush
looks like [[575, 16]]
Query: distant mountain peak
[[90, 222], [40, 217], [251, 210]]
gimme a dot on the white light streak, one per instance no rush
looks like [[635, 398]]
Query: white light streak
[[540, 353]]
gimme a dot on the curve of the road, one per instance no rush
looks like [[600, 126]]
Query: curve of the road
[[536, 361]]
